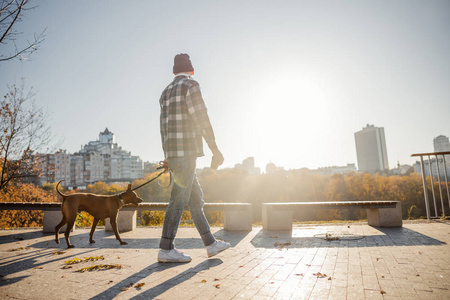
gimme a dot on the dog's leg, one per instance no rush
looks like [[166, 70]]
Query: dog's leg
[[91, 234], [113, 221], [70, 224], [58, 228]]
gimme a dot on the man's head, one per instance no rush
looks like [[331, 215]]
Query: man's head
[[182, 64]]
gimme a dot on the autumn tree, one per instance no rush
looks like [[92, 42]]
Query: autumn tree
[[23, 131], [24, 193], [11, 14]]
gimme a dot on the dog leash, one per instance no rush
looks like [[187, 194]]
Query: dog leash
[[162, 165]]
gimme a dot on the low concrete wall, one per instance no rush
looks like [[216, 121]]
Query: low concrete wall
[[51, 219], [126, 221], [385, 217], [276, 219], [240, 220]]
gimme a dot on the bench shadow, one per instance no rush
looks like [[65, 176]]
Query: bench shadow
[[400, 236], [29, 260], [115, 290], [107, 240]]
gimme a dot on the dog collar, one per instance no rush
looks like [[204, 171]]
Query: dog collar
[[121, 200]]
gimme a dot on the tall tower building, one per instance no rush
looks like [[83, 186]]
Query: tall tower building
[[441, 144], [371, 149]]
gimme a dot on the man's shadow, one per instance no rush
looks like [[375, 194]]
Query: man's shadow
[[162, 287]]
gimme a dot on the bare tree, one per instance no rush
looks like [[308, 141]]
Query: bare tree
[[11, 13], [23, 131]]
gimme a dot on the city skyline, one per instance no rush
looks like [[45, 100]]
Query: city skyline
[[441, 143], [287, 83]]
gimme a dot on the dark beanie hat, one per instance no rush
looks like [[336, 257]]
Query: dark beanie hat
[[182, 63]]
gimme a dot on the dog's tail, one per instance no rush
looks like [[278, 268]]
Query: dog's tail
[[62, 195]]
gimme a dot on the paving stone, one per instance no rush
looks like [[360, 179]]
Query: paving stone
[[411, 262]]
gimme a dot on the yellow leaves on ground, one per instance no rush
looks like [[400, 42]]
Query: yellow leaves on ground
[[99, 267], [86, 259]]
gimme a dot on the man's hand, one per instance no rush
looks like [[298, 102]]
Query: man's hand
[[217, 159]]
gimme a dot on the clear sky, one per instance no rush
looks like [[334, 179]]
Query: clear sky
[[287, 82]]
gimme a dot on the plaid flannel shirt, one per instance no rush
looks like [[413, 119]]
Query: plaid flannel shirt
[[184, 119]]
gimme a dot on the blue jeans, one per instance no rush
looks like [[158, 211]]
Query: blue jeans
[[186, 190]]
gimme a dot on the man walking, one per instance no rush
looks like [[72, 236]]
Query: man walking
[[184, 124]]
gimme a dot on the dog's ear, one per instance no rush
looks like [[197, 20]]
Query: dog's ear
[[129, 187]]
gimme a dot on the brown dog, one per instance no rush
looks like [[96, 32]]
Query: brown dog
[[100, 207]]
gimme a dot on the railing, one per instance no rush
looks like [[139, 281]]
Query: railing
[[438, 173]]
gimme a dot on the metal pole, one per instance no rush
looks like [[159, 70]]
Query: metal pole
[[440, 187], [446, 180], [432, 187], [425, 190]]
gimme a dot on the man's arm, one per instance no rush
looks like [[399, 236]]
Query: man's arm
[[197, 109]]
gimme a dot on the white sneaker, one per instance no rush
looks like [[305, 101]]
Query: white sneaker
[[217, 247], [174, 255]]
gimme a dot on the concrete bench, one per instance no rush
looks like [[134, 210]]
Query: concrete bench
[[278, 216], [52, 212], [238, 216]]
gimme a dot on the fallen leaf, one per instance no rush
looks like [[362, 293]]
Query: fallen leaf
[[127, 287], [110, 281], [38, 267], [16, 249], [382, 292], [281, 245], [329, 278], [67, 267], [274, 237], [241, 266], [118, 257], [139, 285], [64, 276], [203, 281], [319, 275], [420, 252], [99, 267], [300, 274], [78, 260], [216, 279], [59, 252], [217, 286]]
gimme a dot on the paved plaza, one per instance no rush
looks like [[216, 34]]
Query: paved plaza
[[345, 261]]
